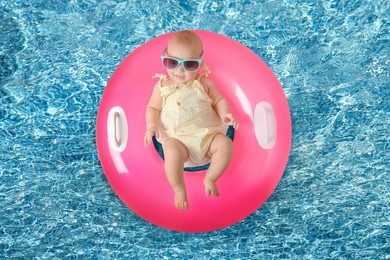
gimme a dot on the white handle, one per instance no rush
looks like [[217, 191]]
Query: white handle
[[265, 125], [117, 129]]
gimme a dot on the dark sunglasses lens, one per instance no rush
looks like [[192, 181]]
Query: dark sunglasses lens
[[170, 63], [191, 65]]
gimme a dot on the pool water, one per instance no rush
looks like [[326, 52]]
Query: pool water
[[332, 59]]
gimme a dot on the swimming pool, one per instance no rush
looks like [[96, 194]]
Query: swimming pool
[[332, 59]]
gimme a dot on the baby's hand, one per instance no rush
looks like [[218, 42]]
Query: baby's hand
[[149, 134], [229, 119]]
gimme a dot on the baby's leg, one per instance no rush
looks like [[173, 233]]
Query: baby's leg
[[220, 152], [176, 154]]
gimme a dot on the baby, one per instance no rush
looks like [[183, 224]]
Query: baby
[[189, 116]]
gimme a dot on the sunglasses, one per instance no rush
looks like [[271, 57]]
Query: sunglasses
[[191, 65]]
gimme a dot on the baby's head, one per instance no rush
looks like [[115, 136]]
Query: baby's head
[[187, 50]]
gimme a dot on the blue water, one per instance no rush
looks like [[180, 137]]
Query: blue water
[[332, 59]]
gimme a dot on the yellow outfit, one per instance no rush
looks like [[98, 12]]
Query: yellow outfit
[[187, 115]]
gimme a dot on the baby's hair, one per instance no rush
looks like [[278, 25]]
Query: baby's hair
[[188, 38]]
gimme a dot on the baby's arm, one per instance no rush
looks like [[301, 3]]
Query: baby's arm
[[152, 114], [220, 103]]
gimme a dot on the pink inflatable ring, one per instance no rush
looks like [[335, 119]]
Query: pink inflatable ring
[[261, 144]]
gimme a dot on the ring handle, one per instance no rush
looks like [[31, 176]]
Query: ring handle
[[117, 129], [265, 125]]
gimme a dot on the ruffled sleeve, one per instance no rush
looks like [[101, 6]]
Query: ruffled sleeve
[[206, 71], [166, 90], [160, 76]]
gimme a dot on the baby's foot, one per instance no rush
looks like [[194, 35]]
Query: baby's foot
[[210, 187], [181, 200]]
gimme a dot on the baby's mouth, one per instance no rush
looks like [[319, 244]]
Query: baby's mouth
[[180, 77]]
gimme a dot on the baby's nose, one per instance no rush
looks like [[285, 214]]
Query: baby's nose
[[181, 68]]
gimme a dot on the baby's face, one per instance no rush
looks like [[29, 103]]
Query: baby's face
[[183, 52]]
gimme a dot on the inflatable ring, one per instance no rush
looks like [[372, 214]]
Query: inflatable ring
[[261, 144]]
